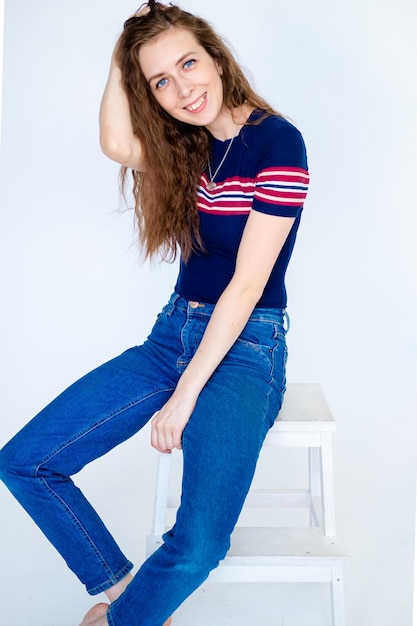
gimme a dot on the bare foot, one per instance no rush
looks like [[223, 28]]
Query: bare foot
[[95, 615]]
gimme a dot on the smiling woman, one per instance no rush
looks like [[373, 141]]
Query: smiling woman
[[221, 177], [184, 140], [189, 87]]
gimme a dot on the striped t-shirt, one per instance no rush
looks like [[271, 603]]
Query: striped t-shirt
[[265, 170]]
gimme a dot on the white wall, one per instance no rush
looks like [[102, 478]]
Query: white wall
[[1, 54], [73, 292]]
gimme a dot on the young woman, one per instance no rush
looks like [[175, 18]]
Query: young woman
[[221, 177]]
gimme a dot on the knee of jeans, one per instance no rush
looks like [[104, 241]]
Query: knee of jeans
[[11, 464], [199, 555], [5, 465]]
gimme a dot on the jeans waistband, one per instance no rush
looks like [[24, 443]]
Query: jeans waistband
[[260, 314]]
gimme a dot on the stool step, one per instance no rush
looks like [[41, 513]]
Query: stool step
[[276, 547], [260, 498], [297, 544]]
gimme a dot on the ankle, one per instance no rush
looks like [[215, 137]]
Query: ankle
[[116, 591]]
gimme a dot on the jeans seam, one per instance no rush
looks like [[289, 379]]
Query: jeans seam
[[115, 578], [77, 522], [282, 366], [109, 617]]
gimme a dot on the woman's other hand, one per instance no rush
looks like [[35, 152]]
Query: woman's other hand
[[170, 421]]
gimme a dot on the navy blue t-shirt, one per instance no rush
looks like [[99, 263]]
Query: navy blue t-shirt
[[265, 170]]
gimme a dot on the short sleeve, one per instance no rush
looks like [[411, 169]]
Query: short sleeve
[[282, 179]]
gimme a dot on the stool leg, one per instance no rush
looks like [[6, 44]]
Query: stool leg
[[327, 481], [161, 494], [315, 488], [338, 603]]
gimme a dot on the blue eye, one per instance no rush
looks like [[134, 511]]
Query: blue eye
[[161, 83], [189, 63]]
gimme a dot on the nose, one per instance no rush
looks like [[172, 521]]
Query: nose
[[184, 87]]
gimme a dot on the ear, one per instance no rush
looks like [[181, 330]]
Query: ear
[[219, 68]]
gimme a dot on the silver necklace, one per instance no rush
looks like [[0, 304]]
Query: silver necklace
[[211, 184]]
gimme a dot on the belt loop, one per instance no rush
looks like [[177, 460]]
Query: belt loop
[[287, 322], [171, 305]]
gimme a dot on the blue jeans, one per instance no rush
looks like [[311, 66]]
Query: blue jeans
[[221, 444]]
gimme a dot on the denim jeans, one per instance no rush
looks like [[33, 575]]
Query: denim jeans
[[221, 444]]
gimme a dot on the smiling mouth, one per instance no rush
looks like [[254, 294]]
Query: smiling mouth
[[197, 104]]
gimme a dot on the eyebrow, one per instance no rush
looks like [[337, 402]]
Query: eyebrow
[[180, 60]]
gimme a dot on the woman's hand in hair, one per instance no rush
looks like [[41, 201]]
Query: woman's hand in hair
[[145, 8], [142, 10]]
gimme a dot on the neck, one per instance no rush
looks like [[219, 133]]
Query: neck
[[229, 123]]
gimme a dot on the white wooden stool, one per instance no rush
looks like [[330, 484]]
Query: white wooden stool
[[276, 554], [305, 421]]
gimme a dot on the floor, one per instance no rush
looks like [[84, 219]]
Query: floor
[[41, 601], [48, 599], [243, 605]]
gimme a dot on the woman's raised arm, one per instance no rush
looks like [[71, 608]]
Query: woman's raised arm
[[117, 139]]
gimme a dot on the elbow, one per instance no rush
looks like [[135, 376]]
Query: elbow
[[254, 294], [115, 149], [249, 293]]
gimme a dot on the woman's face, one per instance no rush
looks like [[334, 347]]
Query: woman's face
[[186, 80]]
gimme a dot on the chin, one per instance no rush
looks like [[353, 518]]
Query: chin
[[192, 121]]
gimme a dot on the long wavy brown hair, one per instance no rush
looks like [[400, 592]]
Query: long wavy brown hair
[[175, 153]]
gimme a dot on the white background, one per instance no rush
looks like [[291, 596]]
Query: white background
[[74, 293]]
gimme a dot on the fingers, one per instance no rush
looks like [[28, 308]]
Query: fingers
[[166, 433], [167, 426], [142, 10]]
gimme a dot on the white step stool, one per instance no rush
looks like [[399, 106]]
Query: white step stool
[[277, 554]]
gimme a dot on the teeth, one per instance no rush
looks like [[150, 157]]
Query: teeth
[[194, 107]]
